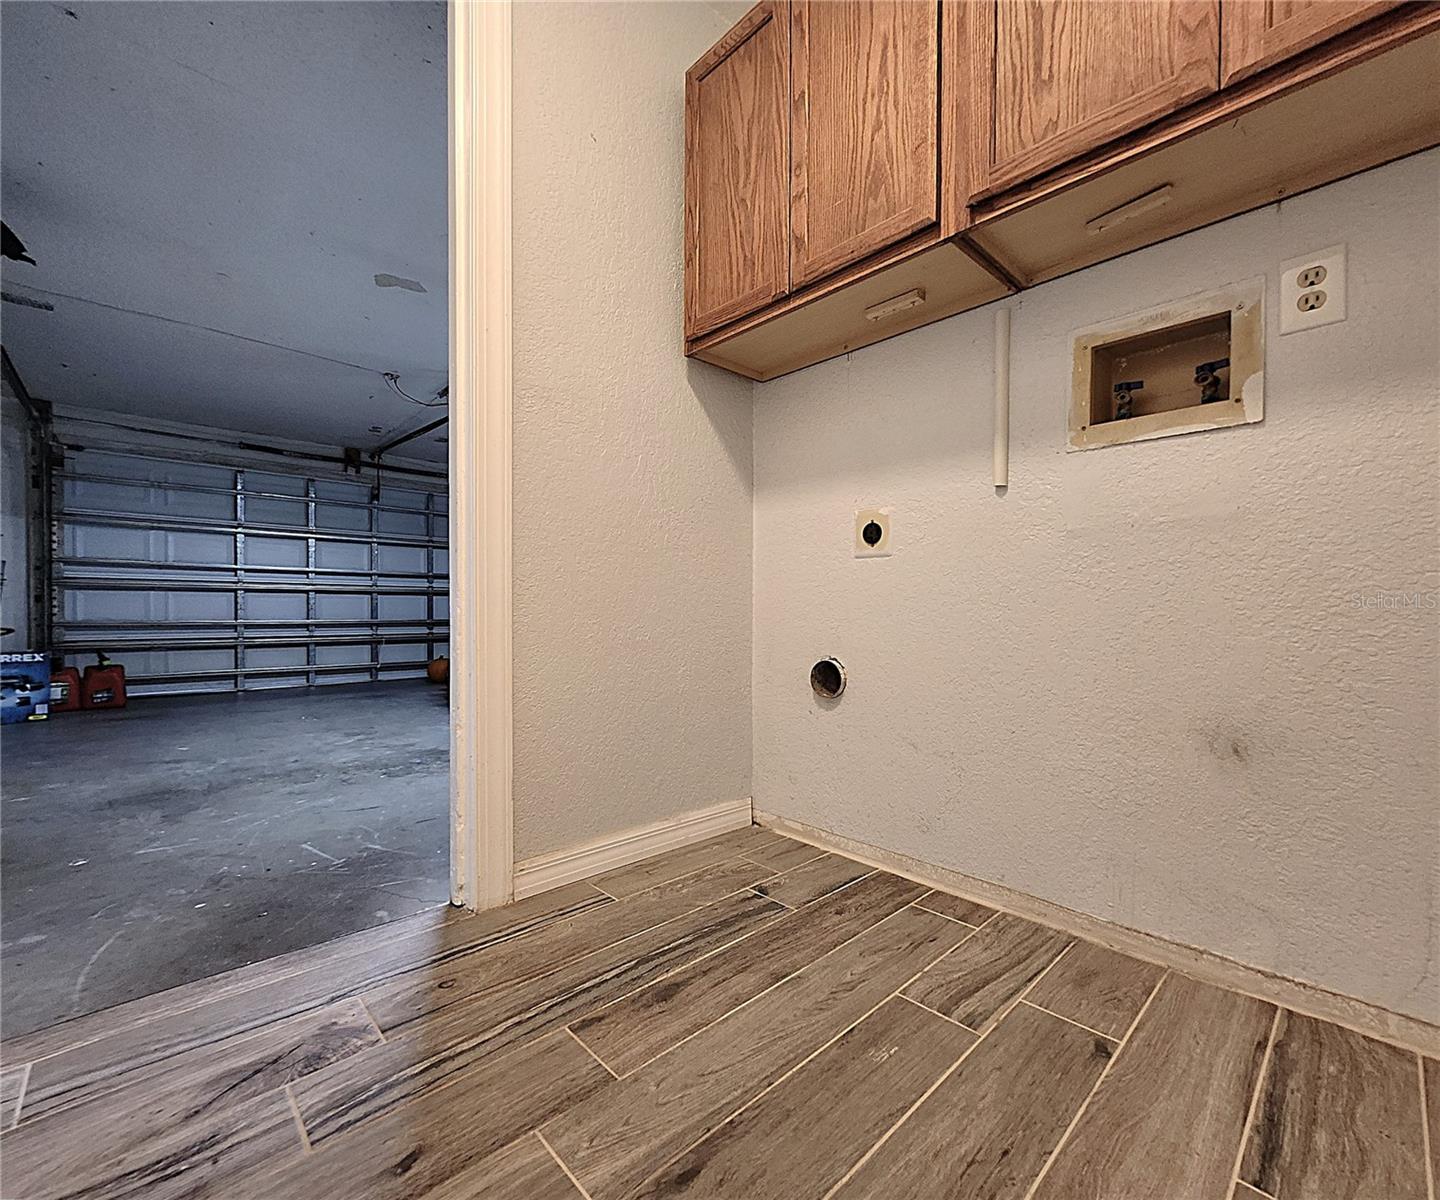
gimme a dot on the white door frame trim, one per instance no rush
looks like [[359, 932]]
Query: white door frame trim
[[482, 859]]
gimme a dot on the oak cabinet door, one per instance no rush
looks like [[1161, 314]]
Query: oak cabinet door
[[736, 172], [1071, 75], [863, 128], [1256, 34]]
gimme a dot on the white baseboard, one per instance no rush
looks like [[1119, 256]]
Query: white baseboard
[[1297, 995], [548, 871]]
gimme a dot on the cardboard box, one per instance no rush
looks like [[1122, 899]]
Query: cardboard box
[[24, 687]]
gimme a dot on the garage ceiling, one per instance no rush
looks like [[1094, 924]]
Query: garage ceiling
[[210, 191]]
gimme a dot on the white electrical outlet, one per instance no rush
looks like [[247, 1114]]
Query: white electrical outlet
[[872, 533], [1312, 290]]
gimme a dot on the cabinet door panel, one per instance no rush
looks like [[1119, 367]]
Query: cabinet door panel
[[1257, 34], [736, 165], [1072, 74], [863, 121]]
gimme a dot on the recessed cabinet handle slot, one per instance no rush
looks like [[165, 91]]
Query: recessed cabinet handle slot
[[896, 304], [1151, 200]]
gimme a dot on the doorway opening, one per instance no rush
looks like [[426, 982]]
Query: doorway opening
[[226, 506]]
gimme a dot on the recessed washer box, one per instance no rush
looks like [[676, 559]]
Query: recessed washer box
[[1195, 364]]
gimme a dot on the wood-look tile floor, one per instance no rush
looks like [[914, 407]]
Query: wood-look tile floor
[[747, 1018]]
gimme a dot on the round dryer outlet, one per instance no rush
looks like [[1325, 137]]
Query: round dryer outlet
[[872, 533]]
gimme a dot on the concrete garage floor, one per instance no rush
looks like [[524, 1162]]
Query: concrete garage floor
[[183, 836]]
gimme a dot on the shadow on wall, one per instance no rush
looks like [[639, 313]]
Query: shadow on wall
[[726, 399]]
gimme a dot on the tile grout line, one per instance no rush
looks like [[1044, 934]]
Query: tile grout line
[[937, 1013], [591, 1053], [1050, 1012], [560, 1162], [677, 879], [752, 999], [819, 854], [1019, 998], [365, 1008], [30, 1066], [955, 947], [755, 887], [979, 1037], [849, 883], [736, 856], [1254, 1105], [305, 1146], [920, 905], [905, 1116], [1425, 1142], [1100, 1079], [765, 1091]]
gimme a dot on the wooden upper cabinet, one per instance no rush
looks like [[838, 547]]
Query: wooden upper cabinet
[[737, 194], [863, 129], [1259, 33], [1071, 75]]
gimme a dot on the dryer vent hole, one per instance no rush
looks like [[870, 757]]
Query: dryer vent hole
[[827, 678]]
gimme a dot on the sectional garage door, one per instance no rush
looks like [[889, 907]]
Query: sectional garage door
[[204, 577]]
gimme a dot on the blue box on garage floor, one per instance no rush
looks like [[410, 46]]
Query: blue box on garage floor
[[24, 686]]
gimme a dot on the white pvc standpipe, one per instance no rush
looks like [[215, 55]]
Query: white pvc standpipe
[[1002, 398]]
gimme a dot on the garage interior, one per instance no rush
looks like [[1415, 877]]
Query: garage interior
[[225, 339]]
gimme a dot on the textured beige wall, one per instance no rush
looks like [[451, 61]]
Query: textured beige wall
[[1145, 683], [632, 467]]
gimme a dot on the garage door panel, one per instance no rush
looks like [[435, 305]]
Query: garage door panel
[[342, 556], [147, 500], [275, 606], [285, 514], [96, 541], [410, 560], [263, 551], [342, 518], [411, 524], [214, 549], [275, 656], [154, 576], [343, 608], [151, 607], [397, 652], [336, 655], [264, 481]]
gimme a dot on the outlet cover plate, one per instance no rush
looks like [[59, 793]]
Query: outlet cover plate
[[1297, 293], [880, 517]]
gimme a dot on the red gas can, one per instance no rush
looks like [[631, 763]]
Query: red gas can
[[103, 685], [64, 690]]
